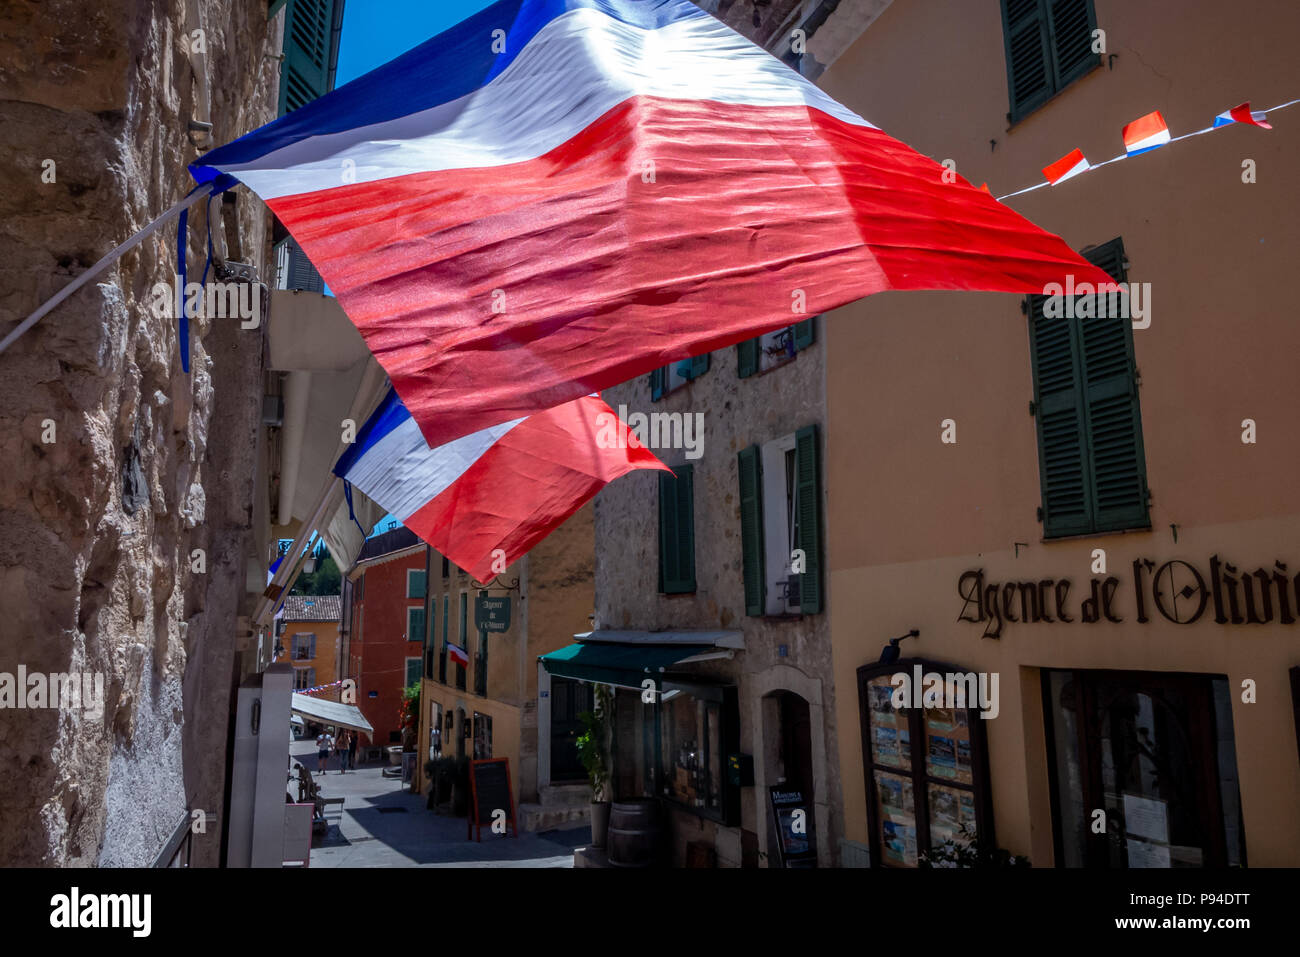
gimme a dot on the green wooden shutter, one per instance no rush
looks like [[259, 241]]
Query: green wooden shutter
[[1029, 62], [1058, 405], [304, 73], [657, 378], [412, 672], [747, 357], [808, 503], [803, 334], [699, 366], [1070, 24], [417, 583], [1109, 377], [311, 653], [677, 531], [415, 624], [751, 529]]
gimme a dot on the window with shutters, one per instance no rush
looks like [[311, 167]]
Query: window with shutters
[[781, 525], [1048, 47], [1092, 465], [446, 638], [304, 646], [677, 531], [415, 623], [670, 378], [464, 638], [773, 349], [306, 72], [412, 672], [416, 579], [304, 678]]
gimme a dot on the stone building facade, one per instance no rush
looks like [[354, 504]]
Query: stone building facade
[[125, 510]]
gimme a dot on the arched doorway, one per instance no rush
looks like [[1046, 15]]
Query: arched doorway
[[792, 784]]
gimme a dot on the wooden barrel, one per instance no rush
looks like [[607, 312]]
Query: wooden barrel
[[635, 833]]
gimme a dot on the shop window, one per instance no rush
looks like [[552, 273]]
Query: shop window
[[670, 378], [677, 530], [772, 349], [781, 525], [676, 747], [1155, 753], [482, 736], [1048, 46], [1092, 467], [925, 768]]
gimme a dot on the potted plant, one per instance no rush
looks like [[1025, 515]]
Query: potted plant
[[591, 751], [969, 851]]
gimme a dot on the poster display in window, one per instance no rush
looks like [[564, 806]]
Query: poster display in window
[[952, 815], [897, 819], [891, 742]]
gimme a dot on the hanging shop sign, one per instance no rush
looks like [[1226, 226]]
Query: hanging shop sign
[[1177, 590], [491, 614]]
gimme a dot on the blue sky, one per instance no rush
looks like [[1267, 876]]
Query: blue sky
[[376, 31]]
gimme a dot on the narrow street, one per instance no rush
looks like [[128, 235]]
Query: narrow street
[[380, 824]]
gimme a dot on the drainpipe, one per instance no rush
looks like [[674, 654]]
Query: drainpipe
[[297, 389]]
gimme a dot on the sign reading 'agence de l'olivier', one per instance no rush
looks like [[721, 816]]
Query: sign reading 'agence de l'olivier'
[[1176, 589], [491, 614]]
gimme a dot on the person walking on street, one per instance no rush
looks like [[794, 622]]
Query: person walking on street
[[341, 747], [324, 742]]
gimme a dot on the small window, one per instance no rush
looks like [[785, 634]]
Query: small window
[[304, 646], [672, 377], [1048, 47], [482, 736], [415, 623], [416, 582], [412, 672], [781, 525], [677, 531], [304, 678], [775, 348]]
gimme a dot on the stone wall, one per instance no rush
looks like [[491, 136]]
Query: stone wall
[[117, 464]]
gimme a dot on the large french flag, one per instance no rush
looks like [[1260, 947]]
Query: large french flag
[[555, 196], [505, 487]]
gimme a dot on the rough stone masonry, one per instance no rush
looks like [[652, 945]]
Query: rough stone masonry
[[147, 464]]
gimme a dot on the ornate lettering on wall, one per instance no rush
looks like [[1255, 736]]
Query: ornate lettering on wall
[[1176, 590]]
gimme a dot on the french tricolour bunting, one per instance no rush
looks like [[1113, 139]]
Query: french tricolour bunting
[[557, 195], [505, 487], [457, 654], [1071, 164], [1242, 114], [1145, 133]]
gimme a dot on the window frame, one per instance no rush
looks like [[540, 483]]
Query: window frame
[[411, 633], [410, 593], [683, 505], [753, 359]]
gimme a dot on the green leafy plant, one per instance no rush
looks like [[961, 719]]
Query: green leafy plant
[[969, 851], [591, 752]]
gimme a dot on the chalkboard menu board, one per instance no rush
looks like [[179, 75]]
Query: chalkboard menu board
[[490, 792], [796, 846]]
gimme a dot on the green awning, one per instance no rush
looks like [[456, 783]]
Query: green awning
[[626, 665]]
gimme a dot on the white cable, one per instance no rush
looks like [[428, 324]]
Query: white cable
[[103, 264]]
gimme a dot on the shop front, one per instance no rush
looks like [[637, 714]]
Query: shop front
[[1136, 717]]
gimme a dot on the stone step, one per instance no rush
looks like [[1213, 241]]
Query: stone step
[[539, 817], [564, 795]]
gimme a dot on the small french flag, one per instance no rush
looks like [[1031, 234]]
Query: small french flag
[[1069, 165], [457, 654], [1146, 133], [1242, 114]]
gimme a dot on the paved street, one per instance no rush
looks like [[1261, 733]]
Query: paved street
[[383, 825]]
